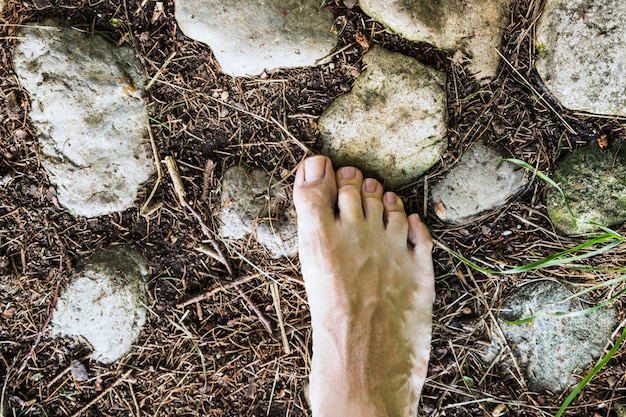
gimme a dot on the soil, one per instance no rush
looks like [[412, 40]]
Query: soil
[[216, 357]]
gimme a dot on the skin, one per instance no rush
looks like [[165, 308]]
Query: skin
[[369, 278]]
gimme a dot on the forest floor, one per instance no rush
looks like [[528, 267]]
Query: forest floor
[[215, 357]]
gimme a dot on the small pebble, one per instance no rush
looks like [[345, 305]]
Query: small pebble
[[79, 372]]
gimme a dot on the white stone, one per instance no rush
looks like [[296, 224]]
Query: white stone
[[392, 124], [253, 203], [582, 54], [249, 36], [480, 182], [473, 26], [87, 107], [105, 304]]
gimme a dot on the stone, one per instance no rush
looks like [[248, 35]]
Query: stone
[[594, 182], [582, 54], [90, 118], [392, 124], [480, 182], [249, 36], [472, 26], [253, 204], [552, 349], [105, 303]]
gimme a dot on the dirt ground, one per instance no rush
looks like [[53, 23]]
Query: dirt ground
[[216, 357]]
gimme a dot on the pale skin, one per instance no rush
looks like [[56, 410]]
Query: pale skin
[[369, 278]]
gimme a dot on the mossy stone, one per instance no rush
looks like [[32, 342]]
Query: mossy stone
[[593, 180]]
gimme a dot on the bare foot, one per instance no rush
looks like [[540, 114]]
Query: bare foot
[[369, 278]]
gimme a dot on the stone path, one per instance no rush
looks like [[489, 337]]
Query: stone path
[[392, 123]]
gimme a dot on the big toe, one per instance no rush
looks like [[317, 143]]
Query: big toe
[[315, 191]]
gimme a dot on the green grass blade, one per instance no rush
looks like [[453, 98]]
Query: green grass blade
[[547, 179], [579, 387]]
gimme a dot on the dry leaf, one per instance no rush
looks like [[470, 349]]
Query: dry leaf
[[603, 141], [350, 3], [500, 410], [158, 12], [8, 313], [362, 40], [440, 209]]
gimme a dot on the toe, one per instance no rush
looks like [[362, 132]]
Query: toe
[[419, 235], [394, 215], [315, 191], [372, 196], [349, 183]]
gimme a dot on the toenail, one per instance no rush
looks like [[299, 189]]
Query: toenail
[[370, 185], [348, 173], [391, 198], [314, 168]]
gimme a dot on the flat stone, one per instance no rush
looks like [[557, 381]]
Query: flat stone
[[552, 349], [582, 54], [480, 182], [253, 204], [104, 303], [392, 124], [473, 26], [594, 182], [91, 121], [249, 36]]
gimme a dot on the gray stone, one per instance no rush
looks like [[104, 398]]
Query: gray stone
[[87, 107], [594, 182], [253, 203], [553, 349], [472, 26], [392, 124], [582, 54], [248, 36], [105, 303], [480, 182]]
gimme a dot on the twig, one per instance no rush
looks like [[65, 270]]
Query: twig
[[43, 329], [529, 85], [276, 296], [262, 119], [161, 70], [214, 291], [157, 162], [206, 183], [260, 315], [179, 189], [102, 394]]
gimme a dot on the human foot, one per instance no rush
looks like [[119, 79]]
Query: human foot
[[369, 277]]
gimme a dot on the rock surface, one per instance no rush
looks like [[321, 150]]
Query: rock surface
[[104, 303], [554, 349], [392, 125], [252, 203], [594, 182], [582, 80], [477, 184], [473, 26], [249, 36], [90, 117]]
